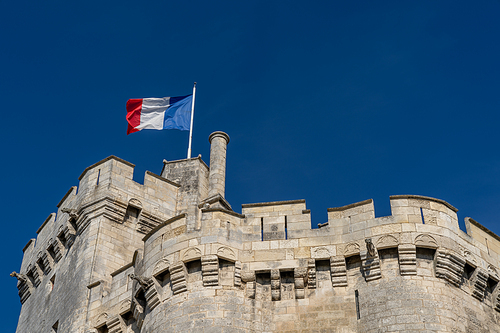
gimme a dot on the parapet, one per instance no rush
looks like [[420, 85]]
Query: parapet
[[172, 254]]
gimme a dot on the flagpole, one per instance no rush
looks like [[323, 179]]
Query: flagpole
[[191, 126]]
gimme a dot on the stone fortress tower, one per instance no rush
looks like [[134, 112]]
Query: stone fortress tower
[[171, 255]]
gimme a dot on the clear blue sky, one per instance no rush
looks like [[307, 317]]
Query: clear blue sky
[[330, 101]]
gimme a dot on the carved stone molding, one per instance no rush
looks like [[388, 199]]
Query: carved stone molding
[[299, 275], [478, 283], [135, 203], [470, 258], [138, 314], [125, 306], [237, 274], [58, 249], [427, 241], [34, 272], [210, 270], [190, 254], [178, 275], [311, 274], [351, 249], [72, 214], [23, 286], [249, 278], [116, 324], [370, 248], [450, 266], [161, 267], [226, 253], [371, 267], [338, 271], [407, 259], [43, 258], [152, 298], [250, 292], [101, 320], [387, 241], [144, 282], [322, 252], [493, 273], [275, 285]]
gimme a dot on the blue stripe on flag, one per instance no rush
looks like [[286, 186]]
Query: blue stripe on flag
[[178, 115]]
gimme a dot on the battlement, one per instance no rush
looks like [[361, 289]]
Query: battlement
[[171, 254]]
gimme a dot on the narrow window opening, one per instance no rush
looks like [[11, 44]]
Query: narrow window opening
[[163, 278], [228, 227], [194, 271], [486, 240], [141, 299], [98, 175], [356, 297], [261, 228], [353, 262], [422, 215], [226, 272], [51, 252], [128, 317], [286, 227], [354, 269], [323, 274], [132, 214], [52, 281], [287, 285], [389, 261], [425, 253], [425, 261], [102, 329], [41, 265], [62, 238], [55, 327], [31, 277], [468, 271], [491, 285], [263, 286]]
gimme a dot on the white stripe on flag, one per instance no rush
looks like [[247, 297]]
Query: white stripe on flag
[[153, 113]]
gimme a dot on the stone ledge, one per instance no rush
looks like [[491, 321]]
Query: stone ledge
[[356, 204], [273, 203], [66, 196], [421, 197], [28, 244], [127, 266], [163, 179], [207, 210], [112, 157], [45, 222], [183, 160], [483, 228], [158, 227]]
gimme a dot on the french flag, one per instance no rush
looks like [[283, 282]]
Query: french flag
[[159, 113]]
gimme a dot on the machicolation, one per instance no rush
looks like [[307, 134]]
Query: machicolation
[[171, 255]]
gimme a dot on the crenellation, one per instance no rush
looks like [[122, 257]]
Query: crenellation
[[171, 255]]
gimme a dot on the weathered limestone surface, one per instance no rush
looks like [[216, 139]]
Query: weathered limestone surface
[[172, 256]]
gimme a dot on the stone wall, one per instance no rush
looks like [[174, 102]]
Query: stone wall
[[172, 256]]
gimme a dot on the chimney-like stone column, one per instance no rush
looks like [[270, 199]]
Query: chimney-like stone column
[[217, 175]]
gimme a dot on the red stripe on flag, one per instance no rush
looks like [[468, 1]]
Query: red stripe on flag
[[134, 107]]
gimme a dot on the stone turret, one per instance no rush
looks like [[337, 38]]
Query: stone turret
[[172, 256], [217, 175]]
